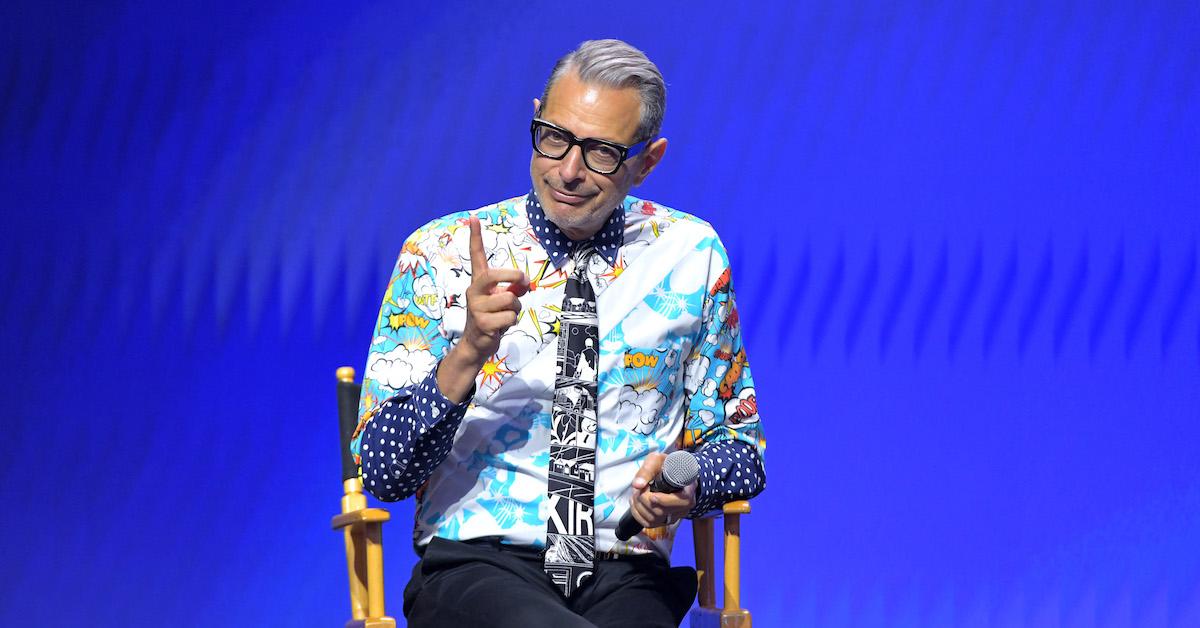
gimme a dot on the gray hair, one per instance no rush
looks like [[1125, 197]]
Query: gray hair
[[614, 63]]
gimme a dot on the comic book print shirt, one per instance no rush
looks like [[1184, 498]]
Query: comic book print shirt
[[673, 374]]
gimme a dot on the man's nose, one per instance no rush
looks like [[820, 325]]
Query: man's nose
[[572, 167]]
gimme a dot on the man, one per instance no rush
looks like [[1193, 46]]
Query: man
[[536, 359]]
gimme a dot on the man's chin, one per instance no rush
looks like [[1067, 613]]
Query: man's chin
[[568, 218]]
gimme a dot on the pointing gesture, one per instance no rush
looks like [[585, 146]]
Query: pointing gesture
[[491, 308]]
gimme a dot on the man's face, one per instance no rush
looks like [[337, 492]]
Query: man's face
[[576, 199]]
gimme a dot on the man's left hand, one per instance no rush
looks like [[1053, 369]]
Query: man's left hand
[[658, 509]]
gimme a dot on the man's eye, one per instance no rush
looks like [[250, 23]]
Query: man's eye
[[603, 154]]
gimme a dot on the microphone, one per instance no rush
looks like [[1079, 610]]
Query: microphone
[[678, 470]]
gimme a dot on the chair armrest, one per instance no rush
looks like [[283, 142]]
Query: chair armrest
[[365, 515], [740, 507]]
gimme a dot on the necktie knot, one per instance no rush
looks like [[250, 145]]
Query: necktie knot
[[581, 255]]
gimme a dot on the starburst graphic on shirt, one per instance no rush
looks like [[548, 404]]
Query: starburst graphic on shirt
[[670, 304], [507, 512], [615, 271], [543, 279], [368, 402], [512, 258], [411, 257], [537, 325], [414, 338], [387, 292], [494, 370], [640, 380], [656, 225], [417, 342], [553, 321]]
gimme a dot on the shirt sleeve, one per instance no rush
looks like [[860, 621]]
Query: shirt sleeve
[[406, 426], [407, 438], [722, 427]]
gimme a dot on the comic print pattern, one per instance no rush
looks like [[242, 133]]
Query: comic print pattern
[[570, 540], [672, 373]]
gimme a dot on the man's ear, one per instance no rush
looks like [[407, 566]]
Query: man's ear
[[650, 158], [537, 105]]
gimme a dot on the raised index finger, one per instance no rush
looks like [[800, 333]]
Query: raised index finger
[[479, 263]]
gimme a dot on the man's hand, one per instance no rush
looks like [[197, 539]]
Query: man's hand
[[657, 509], [491, 310]]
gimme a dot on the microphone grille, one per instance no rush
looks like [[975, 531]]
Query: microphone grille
[[680, 468]]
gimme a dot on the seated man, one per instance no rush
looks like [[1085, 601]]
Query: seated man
[[536, 359]]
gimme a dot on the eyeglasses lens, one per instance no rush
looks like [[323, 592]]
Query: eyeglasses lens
[[554, 144]]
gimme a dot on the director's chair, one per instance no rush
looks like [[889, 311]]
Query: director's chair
[[363, 531]]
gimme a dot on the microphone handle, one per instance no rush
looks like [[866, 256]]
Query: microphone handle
[[659, 484]]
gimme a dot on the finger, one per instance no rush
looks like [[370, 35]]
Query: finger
[[498, 302], [642, 513], [649, 469], [496, 322], [654, 512], [519, 288], [673, 504], [478, 256], [504, 275]]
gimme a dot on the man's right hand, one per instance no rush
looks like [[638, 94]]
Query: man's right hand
[[491, 310]]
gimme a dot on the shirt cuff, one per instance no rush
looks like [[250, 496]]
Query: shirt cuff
[[729, 470], [430, 407]]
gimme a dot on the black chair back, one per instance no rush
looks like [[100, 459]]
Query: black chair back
[[348, 393]]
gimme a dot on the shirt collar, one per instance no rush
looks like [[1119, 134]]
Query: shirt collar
[[607, 241]]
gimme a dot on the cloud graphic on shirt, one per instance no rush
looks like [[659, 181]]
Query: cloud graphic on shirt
[[612, 345], [709, 390], [641, 410], [519, 347], [400, 367], [426, 296], [695, 372], [461, 240], [723, 312]]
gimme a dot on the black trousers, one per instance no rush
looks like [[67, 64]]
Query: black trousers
[[482, 583]]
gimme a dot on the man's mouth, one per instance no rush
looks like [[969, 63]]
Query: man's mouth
[[566, 197]]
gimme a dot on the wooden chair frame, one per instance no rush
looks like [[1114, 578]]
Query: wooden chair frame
[[363, 531], [730, 614]]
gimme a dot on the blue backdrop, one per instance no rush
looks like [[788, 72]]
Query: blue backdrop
[[964, 238]]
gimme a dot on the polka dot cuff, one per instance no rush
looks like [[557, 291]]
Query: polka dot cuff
[[729, 470], [409, 436]]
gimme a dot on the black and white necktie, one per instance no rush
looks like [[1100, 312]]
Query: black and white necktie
[[570, 531]]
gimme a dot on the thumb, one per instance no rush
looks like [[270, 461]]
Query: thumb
[[650, 468]]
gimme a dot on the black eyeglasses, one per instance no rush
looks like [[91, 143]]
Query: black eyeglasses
[[600, 156]]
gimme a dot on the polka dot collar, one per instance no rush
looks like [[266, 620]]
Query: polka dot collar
[[607, 241]]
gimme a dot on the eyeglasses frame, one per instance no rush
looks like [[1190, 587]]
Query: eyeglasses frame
[[627, 152]]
